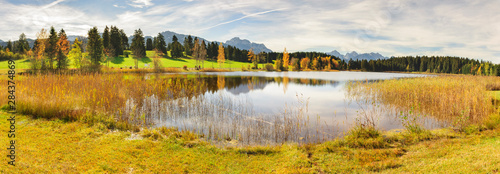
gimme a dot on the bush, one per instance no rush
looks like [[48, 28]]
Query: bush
[[126, 54], [269, 67], [157, 65], [493, 121], [185, 67], [295, 64], [365, 137], [4, 55], [278, 65]]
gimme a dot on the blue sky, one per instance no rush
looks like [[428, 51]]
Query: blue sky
[[391, 27]]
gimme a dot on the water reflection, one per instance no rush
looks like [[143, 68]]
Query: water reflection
[[266, 108]]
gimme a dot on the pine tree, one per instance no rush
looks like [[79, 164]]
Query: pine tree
[[149, 44], [95, 47], [23, 44], [115, 41], [161, 44], [188, 45], [175, 48], [9, 45], [106, 38], [63, 49], [52, 47], [138, 48], [124, 37]]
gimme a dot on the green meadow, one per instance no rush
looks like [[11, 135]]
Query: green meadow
[[167, 62]]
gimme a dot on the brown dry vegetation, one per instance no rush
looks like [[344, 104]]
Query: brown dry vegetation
[[93, 97], [460, 100]]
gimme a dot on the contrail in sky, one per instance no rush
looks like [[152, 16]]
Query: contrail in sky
[[250, 15]]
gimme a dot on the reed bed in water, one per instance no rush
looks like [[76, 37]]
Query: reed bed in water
[[223, 118], [133, 100], [460, 100], [94, 96]]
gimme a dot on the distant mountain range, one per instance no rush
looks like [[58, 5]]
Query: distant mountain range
[[247, 45], [236, 41], [356, 56]]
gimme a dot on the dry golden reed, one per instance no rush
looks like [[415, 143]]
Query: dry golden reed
[[76, 96], [454, 99]]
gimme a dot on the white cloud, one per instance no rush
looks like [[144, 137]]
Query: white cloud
[[140, 3], [31, 18], [117, 6]]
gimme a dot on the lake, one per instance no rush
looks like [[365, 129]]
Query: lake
[[275, 107]]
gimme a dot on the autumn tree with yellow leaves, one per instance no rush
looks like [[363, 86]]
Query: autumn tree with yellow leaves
[[221, 58], [286, 60], [37, 62], [75, 55], [252, 58]]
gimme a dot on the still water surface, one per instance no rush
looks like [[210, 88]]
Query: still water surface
[[317, 96]]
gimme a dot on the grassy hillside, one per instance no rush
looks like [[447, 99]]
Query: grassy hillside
[[122, 61]]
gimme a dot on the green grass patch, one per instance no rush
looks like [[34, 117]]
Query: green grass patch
[[496, 94], [122, 61]]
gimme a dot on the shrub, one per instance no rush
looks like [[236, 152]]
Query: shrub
[[278, 65], [365, 137], [269, 67], [7, 55], [304, 63], [295, 64], [157, 65], [126, 54], [185, 67], [493, 121]]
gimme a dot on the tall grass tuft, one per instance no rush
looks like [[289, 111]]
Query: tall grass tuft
[[457, 100]]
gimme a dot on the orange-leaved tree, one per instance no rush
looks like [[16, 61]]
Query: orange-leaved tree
[[221, 56], [252, 58], [286, 60], [40, 44], [62, 50]]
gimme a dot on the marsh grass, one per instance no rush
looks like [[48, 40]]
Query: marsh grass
[[225, 120], [94, 97], [458, 101]]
